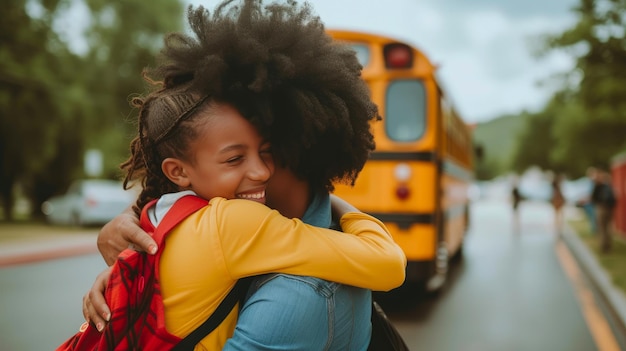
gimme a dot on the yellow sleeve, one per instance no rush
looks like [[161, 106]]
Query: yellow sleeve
[[257, 240]]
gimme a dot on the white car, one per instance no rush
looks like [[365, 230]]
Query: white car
[[88, 202]]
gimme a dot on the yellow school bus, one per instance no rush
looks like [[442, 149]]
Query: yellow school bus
[[417, 179]]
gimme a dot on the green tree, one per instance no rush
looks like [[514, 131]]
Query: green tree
[[30, 97], [55, 104], [592, 123], [123, 38], [534, 143]]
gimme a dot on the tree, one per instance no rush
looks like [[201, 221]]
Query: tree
[[54, 103], [123, 39], [591, 127], [30, 100], [534, 143]]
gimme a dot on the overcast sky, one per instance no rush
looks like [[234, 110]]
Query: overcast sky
[[483, 47]]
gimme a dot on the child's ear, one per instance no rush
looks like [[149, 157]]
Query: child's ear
[[174, 170]]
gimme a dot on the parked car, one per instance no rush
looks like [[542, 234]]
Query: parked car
[[88, 202]]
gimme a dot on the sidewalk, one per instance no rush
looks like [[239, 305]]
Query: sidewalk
[[25, 243], [614, 298]]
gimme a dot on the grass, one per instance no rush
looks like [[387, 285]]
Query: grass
[[613, 262]]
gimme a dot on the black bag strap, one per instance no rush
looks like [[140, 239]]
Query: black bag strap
[[385, 336], [227, 305]]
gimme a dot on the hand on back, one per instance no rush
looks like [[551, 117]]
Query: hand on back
[[117, 235], [121, 233]]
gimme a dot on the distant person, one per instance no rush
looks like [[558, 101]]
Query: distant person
[[516, 199], [558, 201], [586, 204], [603, 199]]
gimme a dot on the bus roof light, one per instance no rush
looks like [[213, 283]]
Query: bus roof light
[[398, 56]]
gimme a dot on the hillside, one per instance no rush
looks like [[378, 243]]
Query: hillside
[[498, 138]]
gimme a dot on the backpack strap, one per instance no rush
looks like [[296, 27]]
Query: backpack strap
[[144, 219], [181, 209], [236, 294]]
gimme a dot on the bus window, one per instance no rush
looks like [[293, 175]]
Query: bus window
[[405, 110], [362, 53]]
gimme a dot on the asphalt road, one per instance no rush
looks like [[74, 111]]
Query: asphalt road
[[509, 292]]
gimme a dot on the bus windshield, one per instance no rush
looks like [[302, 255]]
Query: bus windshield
[[405, 110]]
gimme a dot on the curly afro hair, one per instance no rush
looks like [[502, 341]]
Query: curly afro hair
[[276, 64]]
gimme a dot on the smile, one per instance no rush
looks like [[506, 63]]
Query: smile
[[254, 196]]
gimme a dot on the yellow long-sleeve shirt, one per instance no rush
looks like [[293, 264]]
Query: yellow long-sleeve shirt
[[208, 252]]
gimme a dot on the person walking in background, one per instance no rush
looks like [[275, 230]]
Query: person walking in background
[[603, 199], [586, 204], [557, 200], [516, 199]]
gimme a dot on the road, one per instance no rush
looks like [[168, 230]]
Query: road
[[41, 301], [510, 292]]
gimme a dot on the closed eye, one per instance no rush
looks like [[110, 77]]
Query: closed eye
[[234, 160], [266, 151]]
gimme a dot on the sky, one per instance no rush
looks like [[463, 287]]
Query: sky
[[484, 48]]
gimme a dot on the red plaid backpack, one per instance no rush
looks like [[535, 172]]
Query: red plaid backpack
[[134, 297]]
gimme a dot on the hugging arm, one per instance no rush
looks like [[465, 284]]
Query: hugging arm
[[364, 256], [114, 237], [119, 233], [124, 230], [95, 309], [367, 258]]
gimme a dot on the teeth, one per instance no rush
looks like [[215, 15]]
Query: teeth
[[252, 196]]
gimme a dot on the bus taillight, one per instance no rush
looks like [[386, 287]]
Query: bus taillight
[[402, 173], [398, 56], [403, 192]]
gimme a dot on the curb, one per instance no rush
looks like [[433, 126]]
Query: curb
[[615, 299], [34, 251]]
